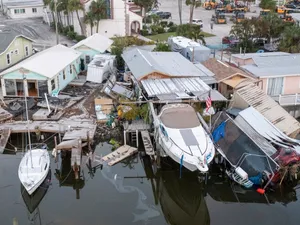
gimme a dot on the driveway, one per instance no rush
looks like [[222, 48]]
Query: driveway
[[35, 29]]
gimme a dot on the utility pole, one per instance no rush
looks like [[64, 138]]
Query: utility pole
[[180, 11]]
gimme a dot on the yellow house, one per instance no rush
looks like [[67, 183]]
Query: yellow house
[[13, 48]]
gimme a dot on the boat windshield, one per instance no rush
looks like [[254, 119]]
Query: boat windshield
[[180, 117]]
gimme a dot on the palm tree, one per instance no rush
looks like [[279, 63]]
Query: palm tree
[[193, 4], [89, 19], [99, 11], [75, 5], [290, 41], [50, 3]]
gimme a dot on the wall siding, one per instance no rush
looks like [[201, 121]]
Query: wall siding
[[28, 12], [18, 44]]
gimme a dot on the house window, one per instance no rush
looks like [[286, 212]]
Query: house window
[[52, 84], [34, 10], [8, 59], [19, 11], [17, 52], [87, 59], [108, 9], [275, 86], [64, 74], [71, 70], [26, 51]]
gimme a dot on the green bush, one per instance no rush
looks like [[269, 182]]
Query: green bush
[[172, 28], [147, 19], [145, 27], [80, 37], [163, 23], [160, 30], [170, 24], [72, 35], [144, 32], [65, 30]]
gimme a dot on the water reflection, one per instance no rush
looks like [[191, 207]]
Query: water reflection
[[32, 201]]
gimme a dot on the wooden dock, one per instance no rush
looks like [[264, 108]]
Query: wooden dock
[[44, 114], [73, 128], [4, 135], [136, 125], [147, 143], [118, 155]]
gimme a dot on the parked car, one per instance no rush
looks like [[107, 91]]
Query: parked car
[[198, 22], [291, 6], [152, 12], [164, 15], [230, 40]]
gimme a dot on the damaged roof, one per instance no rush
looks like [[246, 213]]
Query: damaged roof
[[270, 109], [222, 70], [142, 63], [47, 63], [97, 42]]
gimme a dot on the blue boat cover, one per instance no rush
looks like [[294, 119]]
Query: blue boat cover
[[219, 132]]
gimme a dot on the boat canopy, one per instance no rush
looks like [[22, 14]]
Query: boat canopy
[[241, 149]]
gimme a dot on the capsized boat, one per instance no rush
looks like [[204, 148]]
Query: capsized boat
[[182, 137]]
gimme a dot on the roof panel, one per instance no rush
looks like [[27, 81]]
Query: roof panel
[[96, 41]]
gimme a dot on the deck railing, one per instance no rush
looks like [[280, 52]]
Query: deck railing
[[286, 100]]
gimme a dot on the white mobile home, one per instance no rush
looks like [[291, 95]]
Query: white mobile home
[[24, 8]]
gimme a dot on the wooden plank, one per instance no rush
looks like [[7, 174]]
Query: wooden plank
[[5, 134], [5, 115], [137, 125], [67, 145], [41, 114], [119, 154], [75, 156], [147, 142]]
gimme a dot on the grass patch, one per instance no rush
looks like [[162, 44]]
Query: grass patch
[[164, 36]]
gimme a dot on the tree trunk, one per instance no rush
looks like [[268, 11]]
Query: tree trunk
[[80, 24], [191, 13], [180, 11], [68, 20], [91, 28], [97, 24]]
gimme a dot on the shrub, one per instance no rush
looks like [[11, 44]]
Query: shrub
[[145, 27], [144, 32], [160, 30], [147, 19], [172, 28], [170, 24], [72, 35], [80, 37], [163, 23]]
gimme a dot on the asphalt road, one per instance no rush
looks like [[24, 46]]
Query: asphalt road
[[35, 29], [219, 30]]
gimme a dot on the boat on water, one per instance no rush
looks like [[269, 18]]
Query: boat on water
[[181, 136], [35, 164], [252, 158]]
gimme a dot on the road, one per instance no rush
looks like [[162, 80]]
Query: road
[[35, 29], [219, 30]]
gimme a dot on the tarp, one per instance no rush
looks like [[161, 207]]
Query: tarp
[[219, 132]]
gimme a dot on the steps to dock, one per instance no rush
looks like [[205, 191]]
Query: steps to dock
[[147, 143]]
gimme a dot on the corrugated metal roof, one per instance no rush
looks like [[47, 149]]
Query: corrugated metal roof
[[180, 88], [270, 109], [141, 63], [280, 65]]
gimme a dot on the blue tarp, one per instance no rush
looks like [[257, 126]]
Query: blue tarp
[[219, 132]]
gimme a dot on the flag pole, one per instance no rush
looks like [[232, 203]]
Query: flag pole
[[210, 113]]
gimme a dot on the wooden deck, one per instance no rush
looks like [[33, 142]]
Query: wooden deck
[[4, 135], [71, 102], [147, 143], [44, 114], [136, 125], [118, 155], [74, 128]]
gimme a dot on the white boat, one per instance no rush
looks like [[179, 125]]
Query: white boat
[[182, 137], [34, 165]]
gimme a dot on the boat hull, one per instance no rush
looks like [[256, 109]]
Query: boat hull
[[32, 175]]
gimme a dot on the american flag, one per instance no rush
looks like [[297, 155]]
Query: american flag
[[208, 103]]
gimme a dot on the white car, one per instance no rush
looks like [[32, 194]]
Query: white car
[[197, 22], [152, 12]]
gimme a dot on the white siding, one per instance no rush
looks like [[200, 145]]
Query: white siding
[[28, 12]]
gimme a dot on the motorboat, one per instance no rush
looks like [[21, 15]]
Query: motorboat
[[181, 136], [35, 163]]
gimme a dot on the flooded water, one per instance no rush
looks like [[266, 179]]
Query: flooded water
[[129, 193]]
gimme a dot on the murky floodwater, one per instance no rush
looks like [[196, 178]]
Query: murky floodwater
[[128, 193]]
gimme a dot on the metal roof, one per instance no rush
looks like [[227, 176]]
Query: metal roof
[[180, 88], [270, 109], [265, 54], [7, 36], [141, 63], [47, 63], [96, 41], [279, 65], [205, 74], [23, 3]]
